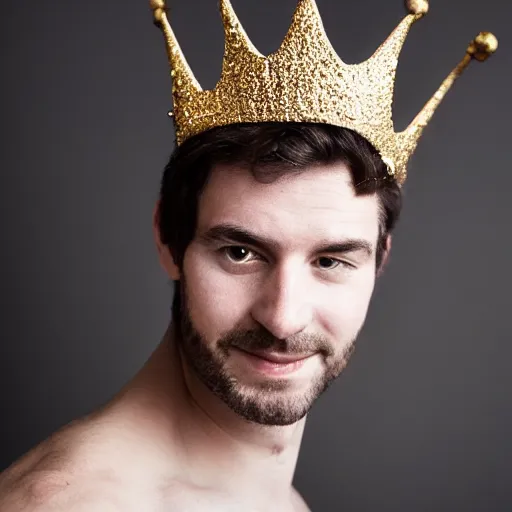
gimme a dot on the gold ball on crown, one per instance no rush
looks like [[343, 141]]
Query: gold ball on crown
[[158, 7], [417, 6], [483, 46], [157, 4]]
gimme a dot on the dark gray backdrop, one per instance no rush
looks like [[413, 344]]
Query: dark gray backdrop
[[420, 419]]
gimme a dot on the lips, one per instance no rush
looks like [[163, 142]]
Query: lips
[[278, 358]]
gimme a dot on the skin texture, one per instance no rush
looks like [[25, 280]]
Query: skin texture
[[285, 298], [200, 427]]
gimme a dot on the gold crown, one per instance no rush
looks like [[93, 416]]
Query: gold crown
[[306, 81]]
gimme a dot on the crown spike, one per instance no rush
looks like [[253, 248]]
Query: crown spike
[[480, 49], [307, 33], [388, 52], [182, 75], [235, 36]]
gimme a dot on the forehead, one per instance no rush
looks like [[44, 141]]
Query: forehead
[[317, 203]]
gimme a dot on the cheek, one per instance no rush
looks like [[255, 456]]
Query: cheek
[[216, 301], [344, 307]]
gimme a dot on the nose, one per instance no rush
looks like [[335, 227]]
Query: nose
[[283, 305]]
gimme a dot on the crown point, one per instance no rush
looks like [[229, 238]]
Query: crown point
[[417, 6], [483, 46]]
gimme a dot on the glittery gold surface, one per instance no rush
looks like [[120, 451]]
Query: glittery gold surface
[[305, 81]]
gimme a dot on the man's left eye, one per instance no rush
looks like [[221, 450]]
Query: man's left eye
[[329, 262]]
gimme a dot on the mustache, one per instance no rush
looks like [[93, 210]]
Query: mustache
[[261, 339]]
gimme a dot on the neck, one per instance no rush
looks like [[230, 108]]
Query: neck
[[208, 442]]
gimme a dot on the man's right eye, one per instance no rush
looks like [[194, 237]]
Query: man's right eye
[[236, 253]]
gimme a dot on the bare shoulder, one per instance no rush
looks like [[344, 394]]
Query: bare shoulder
[[49, 479], [44, 490], [36, 490], [54, 493], [32, 479], [299, 504]]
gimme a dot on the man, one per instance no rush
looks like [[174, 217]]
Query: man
[[274, 220]]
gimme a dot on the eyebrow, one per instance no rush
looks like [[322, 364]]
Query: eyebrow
[[232, 233]]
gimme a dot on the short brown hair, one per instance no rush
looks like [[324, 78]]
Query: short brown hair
[[269, 150]]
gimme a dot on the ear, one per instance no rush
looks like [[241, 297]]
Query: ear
[[385, 255], [164, 255]]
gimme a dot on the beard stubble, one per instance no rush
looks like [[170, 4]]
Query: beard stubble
[[268, 402]]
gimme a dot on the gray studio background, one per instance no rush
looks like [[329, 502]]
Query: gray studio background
[[421, 418]]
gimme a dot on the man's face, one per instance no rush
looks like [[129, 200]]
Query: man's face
[[289, 296]]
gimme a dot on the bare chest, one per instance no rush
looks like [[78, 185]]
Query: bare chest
[[188, 500]]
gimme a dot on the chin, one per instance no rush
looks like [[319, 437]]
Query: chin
[[274, 402]]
